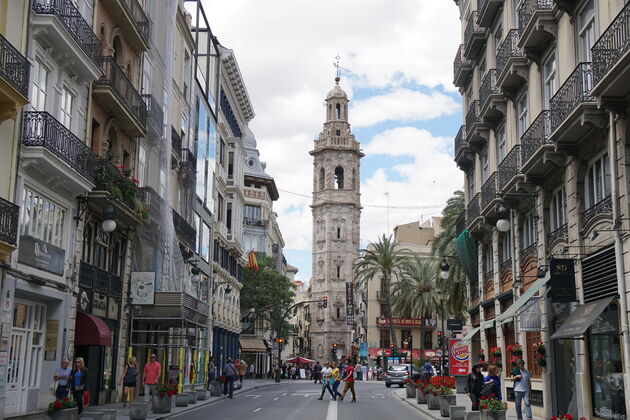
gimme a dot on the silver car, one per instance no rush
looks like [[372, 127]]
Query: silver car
[[398, 374]]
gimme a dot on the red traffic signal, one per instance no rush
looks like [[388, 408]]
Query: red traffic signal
[[280, 340], [325, 301], [439, 333], [334, 345], [391, 346]]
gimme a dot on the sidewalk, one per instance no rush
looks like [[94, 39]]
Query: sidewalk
[[462, 401], [123, 413]]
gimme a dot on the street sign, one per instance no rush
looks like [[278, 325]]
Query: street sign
[[562, 280], [454, 324]]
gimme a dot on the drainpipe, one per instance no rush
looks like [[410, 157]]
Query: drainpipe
[[621, 283]]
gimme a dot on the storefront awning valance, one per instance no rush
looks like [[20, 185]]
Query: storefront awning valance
[[470, 334], [252, 344], [530, 316], [522, 299], [487, 324], [91, 331], [578, 322]]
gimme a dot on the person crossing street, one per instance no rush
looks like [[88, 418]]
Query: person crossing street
[[349, 379], [336, 378], [326, 381]]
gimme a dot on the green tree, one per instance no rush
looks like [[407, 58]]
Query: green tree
[[454, 288], [384, 258], [416, 294], [269, 292]]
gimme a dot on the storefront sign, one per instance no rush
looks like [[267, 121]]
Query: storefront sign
[[143, 287], [562, 280], [407, 322], [52, 335], [454, 324], [349, 304], [458, 357], [99, 304], [40, 254]]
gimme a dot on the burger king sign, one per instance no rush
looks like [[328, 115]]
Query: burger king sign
[[459, 356]]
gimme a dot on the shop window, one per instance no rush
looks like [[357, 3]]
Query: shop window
[[533, 337]]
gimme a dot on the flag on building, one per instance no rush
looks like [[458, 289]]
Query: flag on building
[[251, 261]]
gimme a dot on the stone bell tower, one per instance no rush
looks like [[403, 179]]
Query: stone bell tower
[[336, 215]]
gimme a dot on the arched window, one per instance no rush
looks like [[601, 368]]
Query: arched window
[[339, 178], [322, 179], [118, 50], [338, 111]]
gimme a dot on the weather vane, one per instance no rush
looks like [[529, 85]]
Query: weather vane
[[337, 66]]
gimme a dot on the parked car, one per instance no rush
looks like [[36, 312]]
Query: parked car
[[398, 374]]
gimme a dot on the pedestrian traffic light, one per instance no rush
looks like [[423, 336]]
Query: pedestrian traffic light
[[440, 339], [325, 301]]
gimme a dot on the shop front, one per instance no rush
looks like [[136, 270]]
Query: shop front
[[255, 352]]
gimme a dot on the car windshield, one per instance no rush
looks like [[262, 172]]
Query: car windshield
[[398, 368]]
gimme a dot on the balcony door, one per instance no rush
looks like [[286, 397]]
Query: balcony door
[[586, 32]]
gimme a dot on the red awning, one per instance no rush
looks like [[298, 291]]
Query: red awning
[[91, 331]]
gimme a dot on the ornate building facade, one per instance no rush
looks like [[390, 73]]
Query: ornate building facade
[[336, 212]]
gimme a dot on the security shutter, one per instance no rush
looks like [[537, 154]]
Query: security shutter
[[599, 275]]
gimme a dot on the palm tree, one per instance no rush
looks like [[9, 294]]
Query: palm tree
[[386, 259], [444, 244], [416, 294]]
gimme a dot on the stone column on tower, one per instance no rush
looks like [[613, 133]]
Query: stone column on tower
[[336, 212]]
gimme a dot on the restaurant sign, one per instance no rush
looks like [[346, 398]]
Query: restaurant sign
[[407, 322]]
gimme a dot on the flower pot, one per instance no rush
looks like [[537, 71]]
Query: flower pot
[[434, 402], [421, 397], [216, 388], [411, 390], [445, 402], [161, 404], [495, 415], [65, 414]]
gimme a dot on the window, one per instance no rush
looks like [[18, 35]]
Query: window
[[506, 247], [65, 109], [533, 337], [221, 151], [529, 230], [549, 79], [252, 213], [163, 189], [501, 146], [482, 65], [40, 86], [205, 242], [228, 217], [142, 164], [338, 112], [41, 218], [220, 208], [487, 260], [383, 309], [485, 171], [384, 338], [146, 75], [230, 168], [597, 181], [471, 184], [498, 37], [339, 177], [557, 215], [521, 115], [586, 31], [428, 339], [338, 271], [338, 233], [197, 226], [338, 313]]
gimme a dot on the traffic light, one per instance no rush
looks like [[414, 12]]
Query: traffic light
[[280, 343], [334, 350], [325, 301], [440, 339]]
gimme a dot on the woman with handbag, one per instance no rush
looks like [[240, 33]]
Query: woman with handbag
[[128, 380], [492, 384], [78, 381], [474, 384]]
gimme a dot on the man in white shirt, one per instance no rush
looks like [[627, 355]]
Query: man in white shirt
[[326, 385], [522, 387]]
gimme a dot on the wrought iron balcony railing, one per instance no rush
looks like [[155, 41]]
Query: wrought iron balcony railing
[[509, 166], [472, 28], [189, 159], [254, 221], [472, 116], [176, 142], [575, 91], [506, 265], [536, 136], [508, 49], [43, 130], [489, 191], [116, 79], [184, 230], [14, 67], [460, 139], [155, 114], [9, 215], [488, 87], [459, 63], [108, 170], [99, 280], [527, 9], [474, 208], [603, 206], [560, 233], [531, 250], [612, 45], [141, 19], [77, 27]]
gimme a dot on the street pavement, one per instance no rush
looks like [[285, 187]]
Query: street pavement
[[298, 400]]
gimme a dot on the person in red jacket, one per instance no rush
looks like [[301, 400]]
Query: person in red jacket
[[349, 379]]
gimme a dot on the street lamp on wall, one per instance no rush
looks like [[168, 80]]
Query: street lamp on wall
[[109, 219], [444, 267], [503, 218]]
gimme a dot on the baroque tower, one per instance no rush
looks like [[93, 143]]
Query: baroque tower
[[336, 215]]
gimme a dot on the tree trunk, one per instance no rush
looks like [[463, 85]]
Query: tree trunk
[[392, 335], [421, 338]]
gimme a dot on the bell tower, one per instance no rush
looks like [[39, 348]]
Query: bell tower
[[336, 212]]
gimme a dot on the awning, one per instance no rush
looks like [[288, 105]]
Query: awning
[[487, 324], [578, 322], [530, 317], [522, 299], [470, 334], [252, 344], [91, 331]]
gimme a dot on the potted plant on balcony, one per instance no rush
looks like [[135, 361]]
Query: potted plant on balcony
[[434, 398], [63, 409], [162, 400], [421, 396], [410, 388], [216, 386], [121, 185], [492, 408], [447, 398]]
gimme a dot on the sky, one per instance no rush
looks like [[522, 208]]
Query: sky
[[397, 69]]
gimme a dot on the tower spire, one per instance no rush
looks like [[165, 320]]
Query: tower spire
[[338, 67]]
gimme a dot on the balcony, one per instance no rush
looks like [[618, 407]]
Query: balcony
[[574, 110], [476, 129], [382, 296], [174, 309], [155, 120], [511, 65], [186, 234], [489, 195], [154, 202], [9, 216], [537, 25], [474, 38], [488, 285], [176, 143], [487, 10], [557, 235], [531, 251], [254, 221], [462, 68], [611, 60], [460, 224], [491, 101], [56, 152], [538, 152], [59, 25], [119, 98], [603, 207], [188, 167], [509, 169], [463, 155], [99, 280], [473, 211], [132, 20], [14, 71], [474, 295]]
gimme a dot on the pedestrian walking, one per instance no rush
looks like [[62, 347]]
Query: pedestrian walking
[[522, 389], [241, 369], [494, 380], [78, 381], [364, 370], [151, 374], [359, 370], [212, 371], [427, 371], [336, 381], [317, 373], [349, 383], [62, 376], [474, 384], [128, 380], [251, 371], [370, 373], [326, 381], [230, 372]]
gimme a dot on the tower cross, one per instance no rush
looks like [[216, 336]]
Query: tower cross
[[337, 66]]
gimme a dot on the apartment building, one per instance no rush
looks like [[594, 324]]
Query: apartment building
[[544, 87]]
